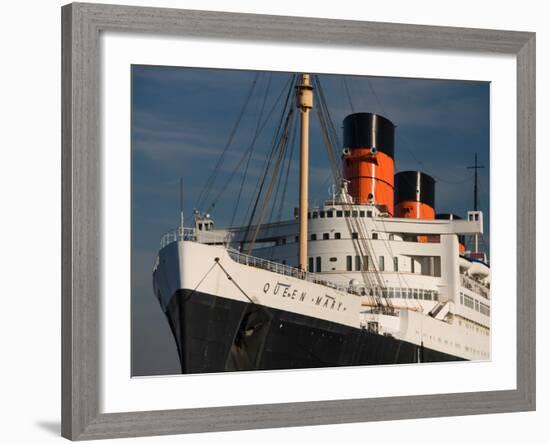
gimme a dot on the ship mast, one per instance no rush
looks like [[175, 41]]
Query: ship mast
[[475, 167], [304, 102]]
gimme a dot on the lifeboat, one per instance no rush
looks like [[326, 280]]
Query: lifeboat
[[479, 270]]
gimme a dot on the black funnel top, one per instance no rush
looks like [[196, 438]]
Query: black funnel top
[[414, 186], [368, 130]]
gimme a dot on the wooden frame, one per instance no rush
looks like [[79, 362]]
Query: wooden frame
[[81, 26]]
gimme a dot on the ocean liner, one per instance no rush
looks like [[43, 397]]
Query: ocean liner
[[373, 275]]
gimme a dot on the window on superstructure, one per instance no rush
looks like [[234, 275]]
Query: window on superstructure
[[346, 213], [362, 213], [412, 265], [315, 214], [391, 237], [339, 213], [326, 236], [200, 226], [310, 264], [296, 238], [318, 264], [357, 263], [330, 213], [333, 259], [381, 263], [390, 292], [395, 264], [374, 236], [309, 215], [365, 263], [283, 240], [322, 214], [354, 213], [313, 237], [348, 263], [415, 293], [369, 213], [410, 293], [354, 235], [337, 235]]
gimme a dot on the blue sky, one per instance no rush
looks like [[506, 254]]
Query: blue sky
[[182, 118]]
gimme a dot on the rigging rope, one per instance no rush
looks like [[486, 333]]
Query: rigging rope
[[211, 179], [250, 149], [282, 145], [243, 157], [262, 179]]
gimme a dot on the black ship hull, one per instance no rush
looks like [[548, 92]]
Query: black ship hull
[[215, 334]]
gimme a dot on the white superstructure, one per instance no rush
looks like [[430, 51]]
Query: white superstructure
[[420, 292]]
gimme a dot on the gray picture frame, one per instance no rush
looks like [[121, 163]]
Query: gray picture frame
[[81, 253]]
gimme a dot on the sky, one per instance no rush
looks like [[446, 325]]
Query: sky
[[183, 118]]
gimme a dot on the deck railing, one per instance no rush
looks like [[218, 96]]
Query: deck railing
[[475, 286], [283, 269], [192, 234]]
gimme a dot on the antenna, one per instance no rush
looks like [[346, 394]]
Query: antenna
[[475, 167], [332, 192], [181, 204]]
